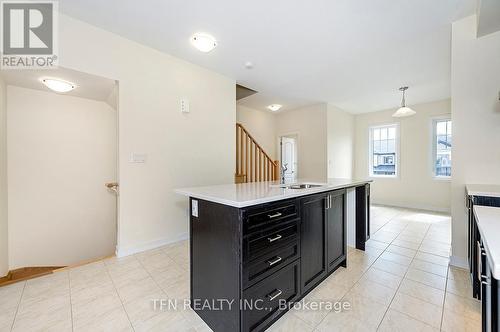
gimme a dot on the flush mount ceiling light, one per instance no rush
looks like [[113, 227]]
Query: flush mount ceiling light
[[203, 42], [403, 111], [274, 107], [58, 85]]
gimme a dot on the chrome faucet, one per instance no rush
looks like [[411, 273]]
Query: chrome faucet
[[283, 169]]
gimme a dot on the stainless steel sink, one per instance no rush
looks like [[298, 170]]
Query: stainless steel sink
[[303, 186]]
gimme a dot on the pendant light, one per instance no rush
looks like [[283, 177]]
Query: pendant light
[[403, 111]]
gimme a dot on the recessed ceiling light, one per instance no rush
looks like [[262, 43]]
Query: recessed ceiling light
[[274, 107], [58, 85], [203, 42]]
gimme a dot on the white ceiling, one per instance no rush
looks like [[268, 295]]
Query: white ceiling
[[354, 54], [488, 17], [88, 86]]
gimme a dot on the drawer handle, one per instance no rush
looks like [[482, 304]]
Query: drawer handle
[[274, 294], [276, 215], [272, 239], [485, 283], [275, 261]]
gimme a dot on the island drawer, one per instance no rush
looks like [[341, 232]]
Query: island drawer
[[269, 215], [261, 243], [266, 295], [265, 265]]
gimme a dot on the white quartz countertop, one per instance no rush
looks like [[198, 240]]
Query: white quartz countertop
[[488, 222], [248, 194], [488, 190]]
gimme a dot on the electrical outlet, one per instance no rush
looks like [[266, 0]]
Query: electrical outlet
[[194, 208]]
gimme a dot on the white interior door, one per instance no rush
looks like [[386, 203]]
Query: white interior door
[[289, 158]]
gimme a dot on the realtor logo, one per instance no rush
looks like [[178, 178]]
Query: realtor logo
[[28, 34]]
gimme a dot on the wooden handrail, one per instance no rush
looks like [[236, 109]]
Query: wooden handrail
[[252, 162]]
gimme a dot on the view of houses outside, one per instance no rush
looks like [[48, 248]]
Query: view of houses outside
[[384, 151], [443, 148]]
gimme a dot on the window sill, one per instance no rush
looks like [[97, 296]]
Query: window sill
[[442, 178], [393, 177]]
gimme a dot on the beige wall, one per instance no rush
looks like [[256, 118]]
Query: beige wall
[[340, 139], [182, 149], [61, 152], [261, 125], [415, 187], [475, 85], [4, 257], [310, 124]]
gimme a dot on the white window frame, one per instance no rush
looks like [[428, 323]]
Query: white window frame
[[370, 151], [434, 121]]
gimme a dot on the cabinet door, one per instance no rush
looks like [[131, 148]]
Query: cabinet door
[[362, 216], [476, 257], [313, 262], [336, 228], [486, 296]]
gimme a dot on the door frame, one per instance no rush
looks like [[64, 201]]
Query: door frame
[[117, 204]]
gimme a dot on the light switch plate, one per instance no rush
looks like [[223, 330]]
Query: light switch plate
[[194, 208], [138, 158], [184, 105]]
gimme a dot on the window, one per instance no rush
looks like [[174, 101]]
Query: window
[[384, 151], [441, 148]]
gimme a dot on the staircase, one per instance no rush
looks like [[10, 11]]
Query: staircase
[[253, 164]]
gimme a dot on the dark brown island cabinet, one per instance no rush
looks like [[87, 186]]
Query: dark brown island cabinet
[[485, 286], [249, 264]]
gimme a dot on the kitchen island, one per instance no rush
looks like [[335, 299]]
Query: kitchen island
[[257, 247]]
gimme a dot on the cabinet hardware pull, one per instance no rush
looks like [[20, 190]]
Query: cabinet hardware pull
[[484, 277], [277, 293], [483, 253], [276, 215], [485, 283], [275, 261], [272, 239]]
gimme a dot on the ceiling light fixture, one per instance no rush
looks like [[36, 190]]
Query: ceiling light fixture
[[203, 42], [274, 107], [403, 111], [58, 85]]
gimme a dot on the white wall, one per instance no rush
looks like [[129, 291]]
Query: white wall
[[4, 257], [261, 125], [310, 123], [475, 84], [415, 187], [61, 152], [340, 137], [183, 149]]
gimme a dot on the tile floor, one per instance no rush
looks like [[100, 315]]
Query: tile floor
[[402, 282]]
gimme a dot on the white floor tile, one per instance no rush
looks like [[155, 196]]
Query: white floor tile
[[397, 284]]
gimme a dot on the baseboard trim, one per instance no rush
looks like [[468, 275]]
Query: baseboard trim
[[27, 273], [131, 250], [413, 206], [459, 262]]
